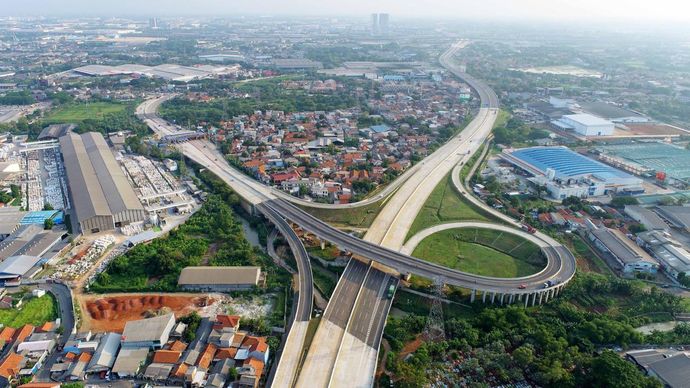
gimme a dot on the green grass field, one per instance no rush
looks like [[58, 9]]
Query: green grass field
[[360, 217], [444, 205], [74, 113], [323, 281], [35, 311], [482, 251]]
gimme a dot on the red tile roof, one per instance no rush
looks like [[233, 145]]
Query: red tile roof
[[166, 356], [178, 346], [224, 353], [9, 367], [204, 360], [24, 332], [7, 334], [226, 321]]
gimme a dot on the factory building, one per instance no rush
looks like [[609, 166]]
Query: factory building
[[102, 197], [585, 124], [566, 173]]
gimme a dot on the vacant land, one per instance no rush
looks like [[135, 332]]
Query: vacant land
[[35, 311], [75, 113], [112, 312], [444, 205], [482, 251]]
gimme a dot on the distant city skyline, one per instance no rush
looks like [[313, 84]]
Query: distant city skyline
[[582, 10]]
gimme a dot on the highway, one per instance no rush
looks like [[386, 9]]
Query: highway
[[350, 331]]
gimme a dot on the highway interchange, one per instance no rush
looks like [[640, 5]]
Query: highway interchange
[[350, 331]]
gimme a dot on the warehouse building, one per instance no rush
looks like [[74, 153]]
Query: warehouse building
[[646, 217], [677, 216], [220, 279], [102, 197], [566, 173], [670, 253], [148, 333], [627, 254], [585, 124]]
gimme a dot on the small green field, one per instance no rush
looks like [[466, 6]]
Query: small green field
[[482, 251], [444, 205], [35, 311], [75, 113], [359, 217]]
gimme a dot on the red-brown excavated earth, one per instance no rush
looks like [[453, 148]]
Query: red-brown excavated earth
[[111, 313]]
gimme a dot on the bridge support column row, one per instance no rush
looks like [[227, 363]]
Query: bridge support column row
[[473, 295]]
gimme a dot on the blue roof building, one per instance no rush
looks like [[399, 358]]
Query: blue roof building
[[567, 173]]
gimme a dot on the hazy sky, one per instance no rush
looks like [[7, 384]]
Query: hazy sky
[[583, 10]]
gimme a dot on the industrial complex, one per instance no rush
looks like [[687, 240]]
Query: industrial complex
[[566, 173], [103, 197]]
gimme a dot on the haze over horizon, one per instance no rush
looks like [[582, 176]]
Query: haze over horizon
[[499, 10]]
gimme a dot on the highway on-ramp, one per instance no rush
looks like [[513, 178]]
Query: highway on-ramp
[[341, 345]]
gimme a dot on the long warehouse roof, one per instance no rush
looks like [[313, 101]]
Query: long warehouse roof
[[98, 185], [118, 192]]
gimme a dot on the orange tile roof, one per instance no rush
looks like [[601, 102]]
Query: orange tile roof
[[24, 332], [226, 321], [258, 365], [7, 334], [84, 357], [178, 346], [48, 326], [9, 367], [70, 356], [204, 360], [255, 343], [166, 356], [180, 370], [224, 353]]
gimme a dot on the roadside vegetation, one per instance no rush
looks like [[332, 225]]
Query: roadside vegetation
[[444, 205], [358, 217], [483, 252], [212, 236], [34, 311], [558, 344]]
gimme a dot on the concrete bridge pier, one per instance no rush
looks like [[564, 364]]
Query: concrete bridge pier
[[534, 299], [493, 296], [473, 295], [483, 296], [502, 295], [512, 297]]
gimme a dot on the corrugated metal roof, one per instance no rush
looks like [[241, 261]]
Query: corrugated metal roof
[[98, 185], [219, 275], [88, 199], [118, 192]]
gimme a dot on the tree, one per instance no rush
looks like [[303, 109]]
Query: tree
[[610, 370], [622, 201], [48, 224], [47, 206], [523, 355]]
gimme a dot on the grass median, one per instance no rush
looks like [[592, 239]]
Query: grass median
[[482, 251]]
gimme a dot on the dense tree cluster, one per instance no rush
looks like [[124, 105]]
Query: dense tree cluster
[[558, 344], [157, 265], [515, 131]]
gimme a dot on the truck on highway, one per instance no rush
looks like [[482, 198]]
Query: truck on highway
[[391, 291], [528, 228]]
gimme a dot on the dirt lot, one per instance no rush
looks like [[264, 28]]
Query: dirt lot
[[110, 312]]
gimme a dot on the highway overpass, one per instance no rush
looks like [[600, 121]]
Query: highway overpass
[[342, 343]]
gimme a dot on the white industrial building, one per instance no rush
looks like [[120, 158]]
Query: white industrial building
[[585, 124]]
